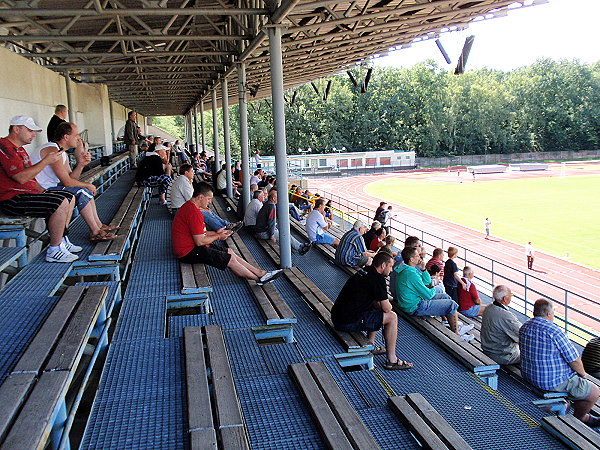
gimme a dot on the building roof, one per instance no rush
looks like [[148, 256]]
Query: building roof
[[161, 57]]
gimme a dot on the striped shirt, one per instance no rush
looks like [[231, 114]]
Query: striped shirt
[[350, 249]]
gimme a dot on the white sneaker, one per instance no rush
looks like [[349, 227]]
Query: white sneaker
[[69, 246], [447, 324], [60, 255], [269, 276], [464, 329], [467, 337]]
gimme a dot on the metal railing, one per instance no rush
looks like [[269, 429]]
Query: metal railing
[[575, 312]]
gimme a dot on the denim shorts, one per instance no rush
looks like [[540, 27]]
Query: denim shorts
[[369, 321], [324, 238], [435, 308], [578, 388], [473, 311]]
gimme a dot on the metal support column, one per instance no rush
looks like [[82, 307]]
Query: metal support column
[[70, 107], [226, 138], [283, 218], [195, 110], [112, 123], [215, 131], [241, 70], [202, 128]]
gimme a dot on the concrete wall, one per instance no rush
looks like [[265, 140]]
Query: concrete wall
[[30, 89]]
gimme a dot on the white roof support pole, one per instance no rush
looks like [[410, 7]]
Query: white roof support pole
[[283, 218], [226, 137], [243, 104], [215, 131]]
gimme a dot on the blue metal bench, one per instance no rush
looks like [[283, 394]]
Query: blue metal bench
[[46, 372]]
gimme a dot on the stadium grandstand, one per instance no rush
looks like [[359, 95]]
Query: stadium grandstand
[[109, 341]]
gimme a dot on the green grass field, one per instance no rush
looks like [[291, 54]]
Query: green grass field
[[561, 216]]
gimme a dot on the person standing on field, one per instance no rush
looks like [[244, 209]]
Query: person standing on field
[[530, 253], [487, 224]]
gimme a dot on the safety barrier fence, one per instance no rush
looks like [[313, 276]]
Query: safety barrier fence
[[576, 312]]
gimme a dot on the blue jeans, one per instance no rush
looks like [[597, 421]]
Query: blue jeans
[[436, 308], [294, 212], [213, 222], [293, 241]]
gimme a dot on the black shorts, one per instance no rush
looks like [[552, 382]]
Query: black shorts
[[368, 321], [213, 256], [35, 205]]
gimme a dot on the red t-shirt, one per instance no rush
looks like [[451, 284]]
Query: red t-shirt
[[13, 160], [375, 244], [466, 298], [438, 263], [187, 222]]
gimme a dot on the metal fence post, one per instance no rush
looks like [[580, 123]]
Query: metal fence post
[[567, 312]]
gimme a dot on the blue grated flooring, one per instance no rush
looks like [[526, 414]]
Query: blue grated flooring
[[279, 356], [141, 400], [275, 416], [141, 318], [178, 323], [387, 430], [244, 354]]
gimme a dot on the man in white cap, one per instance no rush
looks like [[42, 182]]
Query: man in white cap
[[21, 194]]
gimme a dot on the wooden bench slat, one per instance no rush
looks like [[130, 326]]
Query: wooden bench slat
[[203, 440], [234, 438], [227, 405], [117, 245], [13, 392], [33, 424], [75, 335], [439, 425], [277, 301], [102, 247], [188, 279], [198, 393], [573, 430], [355, 429], [263, 302], [415, 423], [331, 431], [42, 344], [201, 275]]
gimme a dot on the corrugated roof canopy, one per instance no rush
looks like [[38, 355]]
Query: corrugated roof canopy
[[161, 56]]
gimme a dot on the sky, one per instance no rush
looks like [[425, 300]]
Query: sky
[[559, 29]]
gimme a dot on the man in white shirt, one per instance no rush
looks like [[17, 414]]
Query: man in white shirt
[[530, 253], [59, 176], [253, 208], [316, 224], [258, 159], [257, 177], [182, 188]]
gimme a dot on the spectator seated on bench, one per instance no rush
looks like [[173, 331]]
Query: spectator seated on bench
[[21, 194], [192, 243], [415, 298], [150, 173], [266, 225], [363, 305], [316, 224], [59, 176], [550, 362], [371, 233], [469, 303], [251, 213], [352, 252], [500, 329]]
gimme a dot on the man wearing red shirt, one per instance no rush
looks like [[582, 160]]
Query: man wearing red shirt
[[436, 259], [469, 303], [192, 244], [21, 194]]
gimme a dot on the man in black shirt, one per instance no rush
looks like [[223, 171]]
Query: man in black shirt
[[363, 305], [60, 116], [370, 235]]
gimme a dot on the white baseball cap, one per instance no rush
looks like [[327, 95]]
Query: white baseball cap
[[25, 121]]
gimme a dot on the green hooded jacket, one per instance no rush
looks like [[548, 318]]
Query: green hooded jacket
[[411, 287]]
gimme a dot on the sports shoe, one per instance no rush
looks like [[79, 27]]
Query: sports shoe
[[60, 255], [467, 337], [69, 246], [269, 276], [447, 324], [464, 329], [304, 248]]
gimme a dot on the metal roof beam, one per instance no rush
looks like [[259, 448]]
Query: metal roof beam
[[37, 12], [109, 66], [116, 38]]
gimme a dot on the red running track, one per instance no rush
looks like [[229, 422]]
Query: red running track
[[579, 279]]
